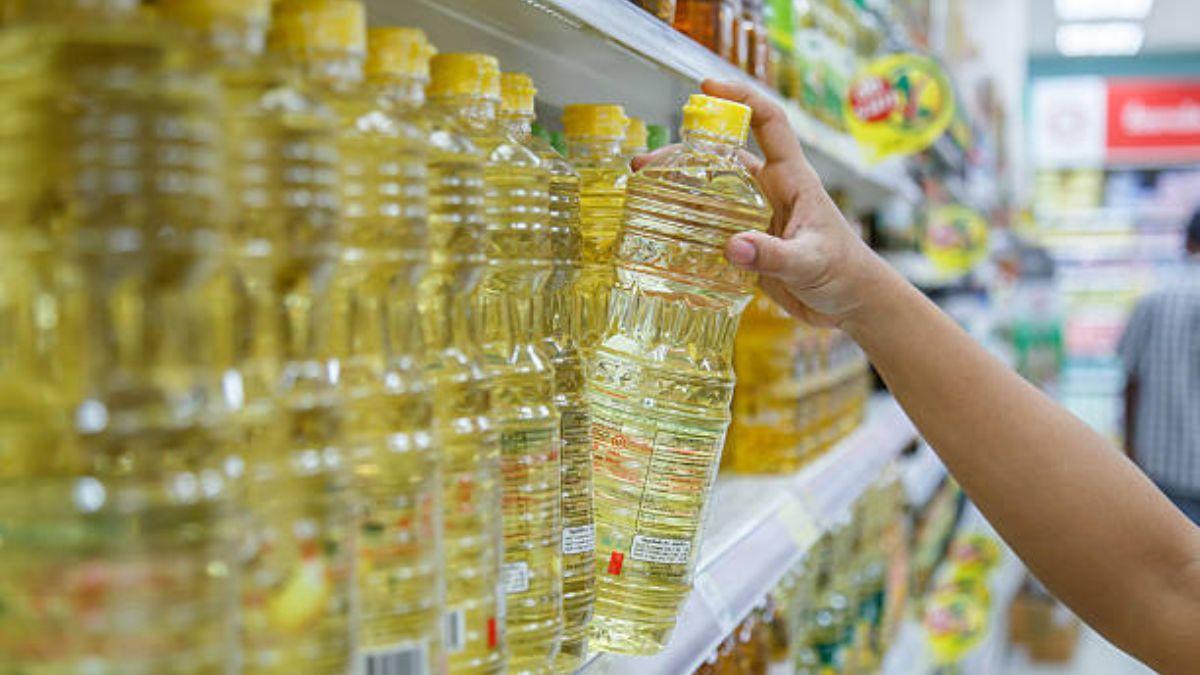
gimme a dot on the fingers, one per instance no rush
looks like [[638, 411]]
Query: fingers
[[760, 252], [639, 161], [769, 123]]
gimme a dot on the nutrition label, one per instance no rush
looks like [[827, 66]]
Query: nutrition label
[[514, 577], [578, 539], [660, 550]]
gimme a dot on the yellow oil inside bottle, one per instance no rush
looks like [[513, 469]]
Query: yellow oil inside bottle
[[594, 135], [559, 334], [505, 309], [114, 511], [637, 139], [661, 381], [471, 494]]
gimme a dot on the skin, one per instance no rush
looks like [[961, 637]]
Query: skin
[[1080, 515]]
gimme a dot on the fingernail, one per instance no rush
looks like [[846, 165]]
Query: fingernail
[[741, 252]]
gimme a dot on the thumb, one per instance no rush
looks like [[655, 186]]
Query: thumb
[[763, 253]]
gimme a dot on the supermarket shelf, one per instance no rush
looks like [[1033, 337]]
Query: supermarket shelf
[[921, 473], [594, 50], [757, 528], [909, 654]]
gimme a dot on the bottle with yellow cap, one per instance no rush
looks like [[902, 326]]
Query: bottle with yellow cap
[[637, 139], [376, 341], [471, 514], [661, 381], [559, 337], [519, 257], [113, 510], [595, 133], [281, 175]]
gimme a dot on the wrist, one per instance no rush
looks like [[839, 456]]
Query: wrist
[[880, 295]]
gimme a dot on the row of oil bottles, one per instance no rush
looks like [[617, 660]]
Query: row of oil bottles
[[839, 608], [316, 360]]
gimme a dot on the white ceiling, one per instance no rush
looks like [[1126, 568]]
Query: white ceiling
[[1173, 26]]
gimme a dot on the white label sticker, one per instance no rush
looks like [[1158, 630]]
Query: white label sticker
[[514, 577], [401, 659], [578, 539], [455, 630], [660, 550]]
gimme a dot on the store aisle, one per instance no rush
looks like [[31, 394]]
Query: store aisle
[[1094, 656]]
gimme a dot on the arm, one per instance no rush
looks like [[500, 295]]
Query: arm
[[1079, 514]]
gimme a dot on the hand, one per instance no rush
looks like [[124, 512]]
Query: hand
[[811, 262]]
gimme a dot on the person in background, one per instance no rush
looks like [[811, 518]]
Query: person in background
[[1161, 353], [1091, 526]]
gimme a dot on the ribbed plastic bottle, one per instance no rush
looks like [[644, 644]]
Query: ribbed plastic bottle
[[559, 335], [594, 136], [519, 257], [637, 139], [471, 515], [113, 510], [661, 381]]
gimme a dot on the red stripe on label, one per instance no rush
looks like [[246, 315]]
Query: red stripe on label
[[614, 562], [493, 639]]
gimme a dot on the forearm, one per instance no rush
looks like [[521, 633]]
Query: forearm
[[1079, 514]]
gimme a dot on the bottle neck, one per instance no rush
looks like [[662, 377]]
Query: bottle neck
[[71, 10], [405, 91], [230, 41], [705, 143], [593, 147], [334, 69], [475, 112], [517, 124]]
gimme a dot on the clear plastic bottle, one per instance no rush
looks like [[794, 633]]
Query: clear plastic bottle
[[471, 514], [559, 339], [113, 510], [637, 139], [661, 381], [594, 136], [519, 257]]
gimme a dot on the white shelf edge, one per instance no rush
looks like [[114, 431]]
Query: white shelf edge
[[921, 475], [742, 559]]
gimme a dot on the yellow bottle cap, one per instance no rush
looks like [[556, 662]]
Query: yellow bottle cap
[[200, 13], [717, 117], [517, 92], [307, 26], [465, 75], [581, 120], [403, 52], [636, 136]]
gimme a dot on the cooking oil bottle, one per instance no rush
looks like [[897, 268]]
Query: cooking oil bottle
[[594, 137], [506, 321], [637, 139], [113, 511], [661, 381], [471, 514], [559, 341]]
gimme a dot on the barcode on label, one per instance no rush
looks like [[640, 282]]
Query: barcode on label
[[455, 630], [660, 550], [578, 539], [402, 659], [515, 577]]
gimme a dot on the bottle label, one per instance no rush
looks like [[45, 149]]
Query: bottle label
[[455, 630], [578, 539], [514, 577], [660, 550], [406, 658]]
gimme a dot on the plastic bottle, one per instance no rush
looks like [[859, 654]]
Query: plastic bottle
[[471, 516], [594, 137], [712, 23], [636, 138], [519, 257], [661, 381], [113, 509], [560, 344], [399, 573], [663, 9]]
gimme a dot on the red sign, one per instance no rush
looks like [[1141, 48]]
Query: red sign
[[1153, 120]]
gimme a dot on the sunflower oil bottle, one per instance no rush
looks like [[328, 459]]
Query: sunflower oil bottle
[[594, 135], [506, 322], [471, 515], [661, 381], [559, 340], [113, 510], [637, 139]]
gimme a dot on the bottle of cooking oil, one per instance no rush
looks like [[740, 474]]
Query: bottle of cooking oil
[[559, 341], [113, 511], [661, 380], [637, 139], [471, 515], [506, 304], [594, 137]]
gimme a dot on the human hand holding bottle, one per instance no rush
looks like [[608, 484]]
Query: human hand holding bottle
[[811, 262]]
